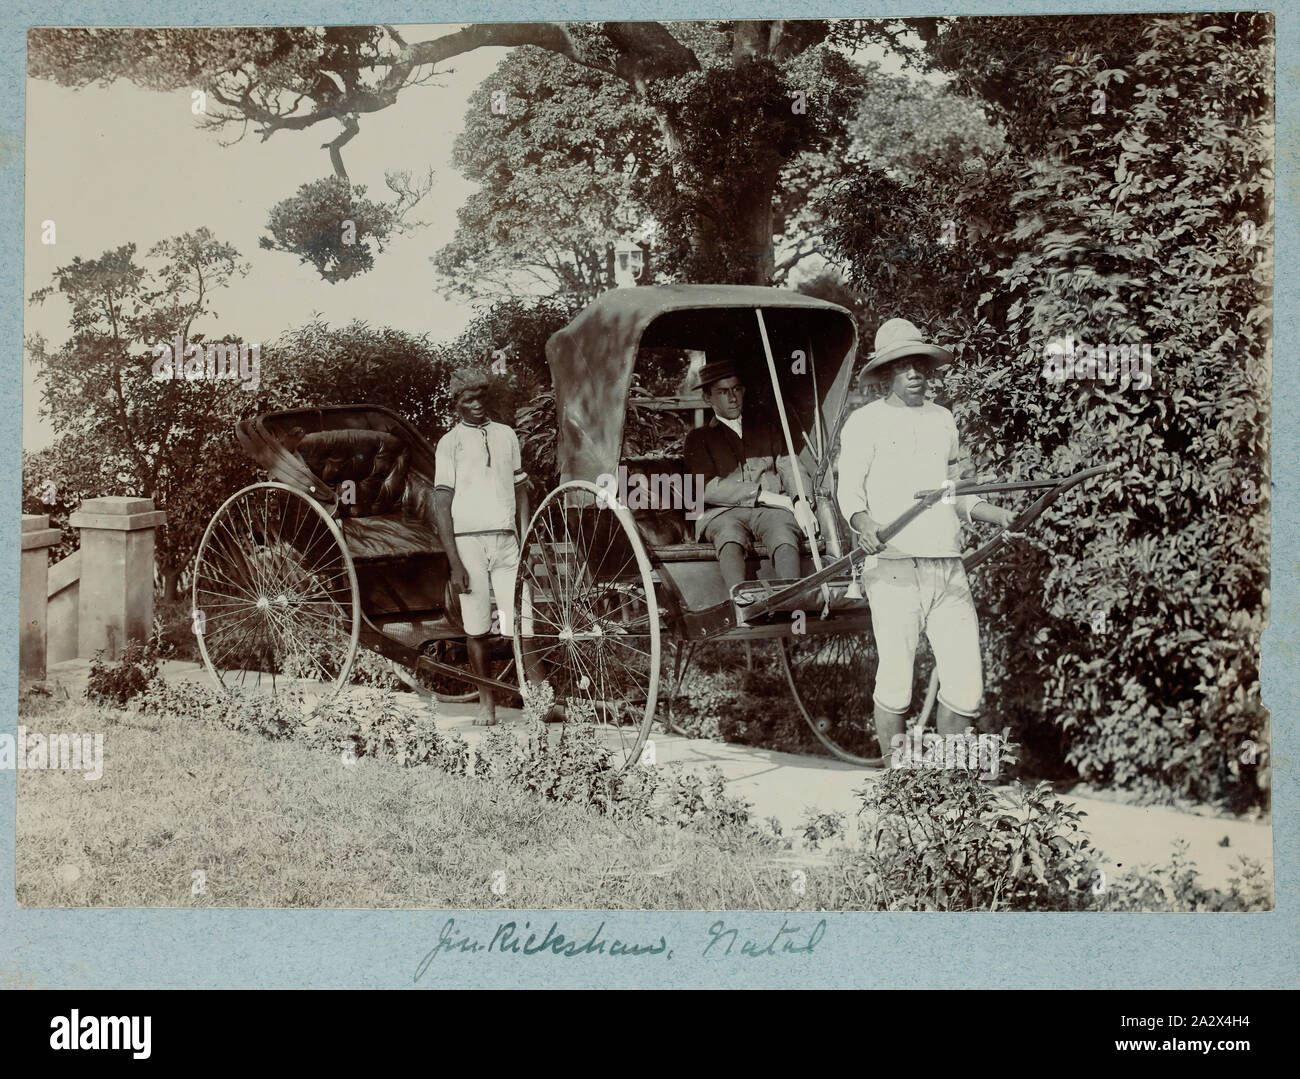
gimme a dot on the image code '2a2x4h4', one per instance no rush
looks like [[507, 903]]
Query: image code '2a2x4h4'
[[788, 465]]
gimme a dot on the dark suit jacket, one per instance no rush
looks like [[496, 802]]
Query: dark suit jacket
[[733, 473]]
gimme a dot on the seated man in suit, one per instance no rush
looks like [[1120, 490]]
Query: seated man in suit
[[749, 488]]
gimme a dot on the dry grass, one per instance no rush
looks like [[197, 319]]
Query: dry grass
[[276, 824]]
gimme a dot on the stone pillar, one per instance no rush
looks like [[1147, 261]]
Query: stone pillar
[[115, 595], [38, 537]]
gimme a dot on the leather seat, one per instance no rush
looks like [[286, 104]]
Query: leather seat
[[388, 512], [374, 461], [389, 535]]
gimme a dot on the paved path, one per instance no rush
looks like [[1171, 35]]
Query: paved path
[[786, 785]]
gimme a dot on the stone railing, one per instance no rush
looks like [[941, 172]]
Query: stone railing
[[99, 596]]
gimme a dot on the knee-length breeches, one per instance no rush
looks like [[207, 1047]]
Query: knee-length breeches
[[908, 595]]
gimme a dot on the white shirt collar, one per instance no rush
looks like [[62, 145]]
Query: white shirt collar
[[733, 424]]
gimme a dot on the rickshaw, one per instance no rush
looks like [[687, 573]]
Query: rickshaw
[[608, 579], [335, 551]]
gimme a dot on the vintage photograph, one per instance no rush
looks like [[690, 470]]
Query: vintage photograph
[[779, 465]]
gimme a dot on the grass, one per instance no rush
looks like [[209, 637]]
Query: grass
[[278, 824], [282, 823]]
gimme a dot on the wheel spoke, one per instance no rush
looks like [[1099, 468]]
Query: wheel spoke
[[585, 601], [276, 587]]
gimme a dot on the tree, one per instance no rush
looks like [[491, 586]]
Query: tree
[[317, 364], [735, 103], [559, 153], [562, 158], [331, 225], [145, 436]]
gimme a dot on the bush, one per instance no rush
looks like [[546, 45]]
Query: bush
[[764, 714], [943, 840], [119, 682], [702, 804], [818, 826], [197, 701], [368, 668], [1177, 886]]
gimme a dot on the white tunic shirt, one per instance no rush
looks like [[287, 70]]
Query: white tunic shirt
[[888, 452], [481, 465]]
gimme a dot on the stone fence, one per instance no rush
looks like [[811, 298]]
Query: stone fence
[[99, 596]]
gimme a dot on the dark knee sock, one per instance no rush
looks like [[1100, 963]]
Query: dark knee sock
[[731, 560], [785, 560]]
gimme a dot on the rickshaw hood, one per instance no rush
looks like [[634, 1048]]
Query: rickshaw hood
[[593, 357]]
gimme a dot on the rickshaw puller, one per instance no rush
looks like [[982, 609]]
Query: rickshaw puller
[[889, 450], [749, 486], [479, 491]]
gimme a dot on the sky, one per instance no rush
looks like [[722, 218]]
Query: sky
[[119, 164]]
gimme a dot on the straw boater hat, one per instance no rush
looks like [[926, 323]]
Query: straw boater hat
[[898, 338]]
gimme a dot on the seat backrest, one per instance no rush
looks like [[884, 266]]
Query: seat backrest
[[377, 463]]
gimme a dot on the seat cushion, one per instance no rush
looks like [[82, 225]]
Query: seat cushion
[[375, 462], [389, 535]]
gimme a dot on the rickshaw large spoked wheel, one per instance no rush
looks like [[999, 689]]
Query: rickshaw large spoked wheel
[[276, 604], [587, 618], [831, 676]]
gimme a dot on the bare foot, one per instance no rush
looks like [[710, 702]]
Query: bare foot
[[485, 720]]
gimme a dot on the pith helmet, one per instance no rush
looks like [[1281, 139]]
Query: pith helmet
[[898, 338]]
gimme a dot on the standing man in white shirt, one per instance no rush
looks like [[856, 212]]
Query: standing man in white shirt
[[480, 496], [889, 450]]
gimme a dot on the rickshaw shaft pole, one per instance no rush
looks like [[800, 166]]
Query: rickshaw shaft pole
[[832, 569], [463, 675], [925, 500]]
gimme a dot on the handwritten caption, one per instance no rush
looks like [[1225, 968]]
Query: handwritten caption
[[722, 940]]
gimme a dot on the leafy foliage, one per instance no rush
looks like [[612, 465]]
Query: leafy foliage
[[119, 430], [943, 840], [1114, 226], [331, 225], [121, 681], [557, 151]]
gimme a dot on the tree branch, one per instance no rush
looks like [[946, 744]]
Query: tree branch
[[647, 51], [335, 147]]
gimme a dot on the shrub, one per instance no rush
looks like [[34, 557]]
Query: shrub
[[379, 723], [818, 826], [1176, 885], [198, 701], [701, 702], [764, 714], [702, 804], [368, 668], [943, 840], [119, 682]]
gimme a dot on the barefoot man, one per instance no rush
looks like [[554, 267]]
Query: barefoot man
[[480, 493], [891, 449]]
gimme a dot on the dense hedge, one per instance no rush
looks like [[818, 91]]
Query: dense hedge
[[1146, 222]]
